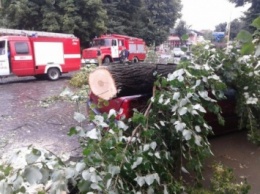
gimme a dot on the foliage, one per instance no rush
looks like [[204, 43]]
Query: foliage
[[34, 170], [147, 19], [238, 67], [221, 27], [84, 18], [235, 27], [222, 182], [208, 35], [181, 29], [250, 14], [150, 20], [152, 153], [159, 16], [80, 78], [125, 17]]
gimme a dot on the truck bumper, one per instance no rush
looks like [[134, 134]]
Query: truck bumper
[[87, 61]]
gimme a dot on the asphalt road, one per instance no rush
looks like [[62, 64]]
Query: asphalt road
[[24, 121], [233, 150]]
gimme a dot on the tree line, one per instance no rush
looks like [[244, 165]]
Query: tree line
[[147, 19]]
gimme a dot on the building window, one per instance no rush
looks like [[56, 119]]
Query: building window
[[21, 48]]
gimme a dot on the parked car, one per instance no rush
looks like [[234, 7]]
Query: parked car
[[177, 52]]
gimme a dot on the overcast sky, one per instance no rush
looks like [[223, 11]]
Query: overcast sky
[[206, 14]]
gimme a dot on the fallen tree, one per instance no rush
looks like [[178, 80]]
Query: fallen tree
[[117, 80]]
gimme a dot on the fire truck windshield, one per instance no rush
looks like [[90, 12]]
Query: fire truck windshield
[[102, 42]]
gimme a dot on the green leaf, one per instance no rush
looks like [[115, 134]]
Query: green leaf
[[256, 23], [80, 166], [183, 169], [87, 151], [185, 37], [113, 170], [244, 36], [45, 175], [33, 175], [96, 186], [84, 186], [72, 131], [149, 179], [182, 111], [79, 117], [33, 156], [17, 182], [93, 134], [140, 180], [257, 52], [247, 48], [69, 172], [137, 162], [5, 188]]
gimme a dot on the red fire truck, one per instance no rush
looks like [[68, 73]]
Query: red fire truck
[[111, 47], [39, 54]]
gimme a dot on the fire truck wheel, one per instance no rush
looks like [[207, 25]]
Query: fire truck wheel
[[135, 60], [106, 61], [53, 74]]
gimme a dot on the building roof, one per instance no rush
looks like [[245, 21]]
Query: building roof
[[173, 38]]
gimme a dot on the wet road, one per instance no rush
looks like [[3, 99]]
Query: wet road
[[235, 151], [23, 121]]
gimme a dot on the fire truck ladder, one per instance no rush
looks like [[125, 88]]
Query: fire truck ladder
[[5, 31]]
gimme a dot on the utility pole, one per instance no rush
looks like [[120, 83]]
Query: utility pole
[[229, 25], [228, 31]]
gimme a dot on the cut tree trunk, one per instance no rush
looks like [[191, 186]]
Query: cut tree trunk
[[117, 80]]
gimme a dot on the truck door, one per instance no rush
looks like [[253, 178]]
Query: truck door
[[114, 49], [4, 60], [22, 58]]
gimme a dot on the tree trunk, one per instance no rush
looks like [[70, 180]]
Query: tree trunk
[[117, 80]]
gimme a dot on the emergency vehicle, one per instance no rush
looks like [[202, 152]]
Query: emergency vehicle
[[111, 47], [39, 54]]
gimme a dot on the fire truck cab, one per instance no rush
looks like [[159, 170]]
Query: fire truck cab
[[111, 47], [39, 54]]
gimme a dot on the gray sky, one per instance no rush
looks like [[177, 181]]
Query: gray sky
[[206, 14]]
